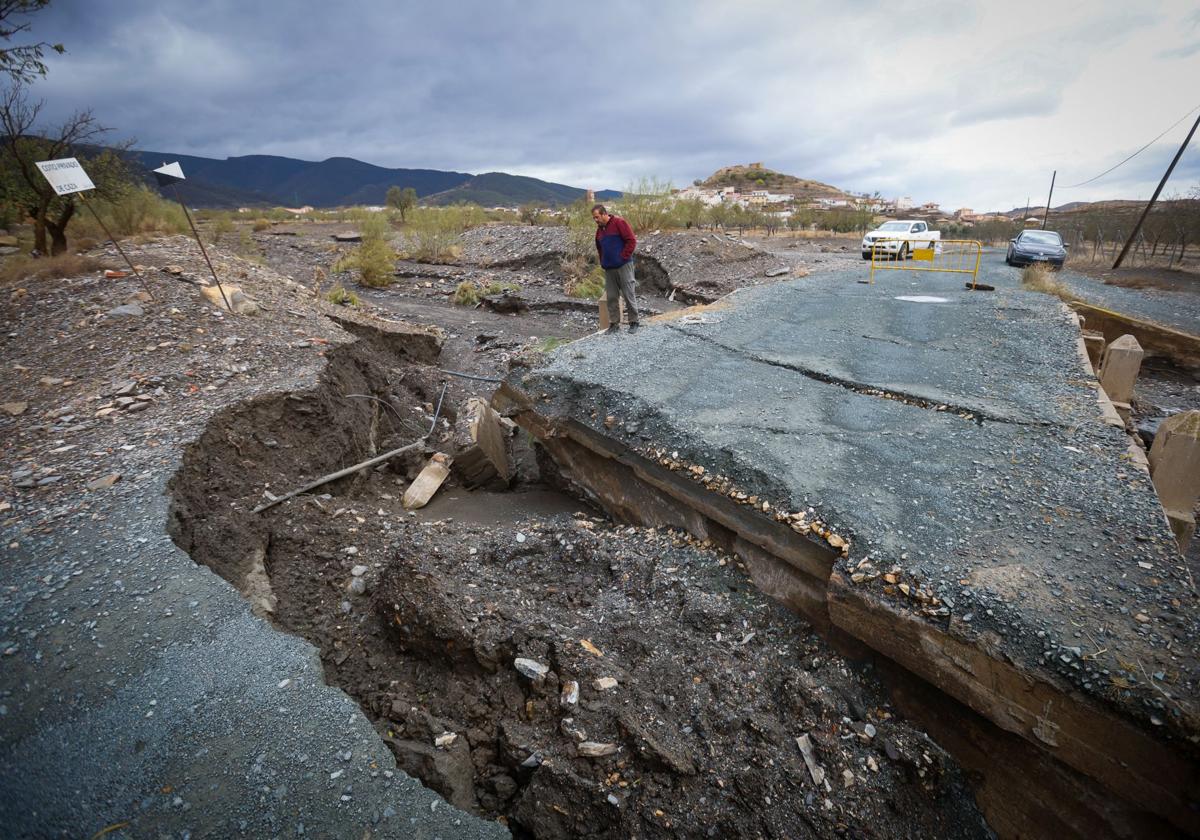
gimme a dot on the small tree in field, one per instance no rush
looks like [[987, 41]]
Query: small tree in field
[[402, 200], [21, 184]]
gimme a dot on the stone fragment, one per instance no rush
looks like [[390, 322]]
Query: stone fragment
[[804, 742], [127, 310], [569, 695], [1119, 368], [239, 303], [594, 749], [14, 409], [445, 740], [531, 668], [104, 482], [604, 684]]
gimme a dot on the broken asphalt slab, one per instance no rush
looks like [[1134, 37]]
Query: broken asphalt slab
[[1014, 557]]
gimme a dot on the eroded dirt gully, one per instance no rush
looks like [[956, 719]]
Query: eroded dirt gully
[[561, 673]]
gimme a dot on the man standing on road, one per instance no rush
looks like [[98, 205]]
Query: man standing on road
[[614, 244]]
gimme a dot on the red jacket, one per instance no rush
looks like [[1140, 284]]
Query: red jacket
[[615, 242]]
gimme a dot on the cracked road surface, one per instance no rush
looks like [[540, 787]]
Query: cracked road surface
[[1039, 537]]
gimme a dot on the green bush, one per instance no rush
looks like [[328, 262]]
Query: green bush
[[342, 297], [221, 224], [647, 205], [495, 288], [432, 233], [374, 259], [466, 294], [135, 210], [590, 286], [261, 224]]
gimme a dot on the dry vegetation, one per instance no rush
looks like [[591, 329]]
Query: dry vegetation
[[1039, 278], [20, 268]]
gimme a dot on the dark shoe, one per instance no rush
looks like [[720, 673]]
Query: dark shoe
[[633, 327], [613, 330]]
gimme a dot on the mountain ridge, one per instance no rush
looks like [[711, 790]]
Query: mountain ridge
[[274, 180]]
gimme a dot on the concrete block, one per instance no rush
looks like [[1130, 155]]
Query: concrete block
[[427, 483], [1137, 455], [481, 459], [1093, 342], [1175, 461], [1108, 413], [1124, 411], [604, 322], [1183, 525], [1119, 368]]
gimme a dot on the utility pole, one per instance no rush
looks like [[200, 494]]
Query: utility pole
[[1046, 217], [1138, 227], [1026, 216]]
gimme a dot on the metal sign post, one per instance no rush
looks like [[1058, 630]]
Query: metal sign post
[[171, 174], [67, 177]]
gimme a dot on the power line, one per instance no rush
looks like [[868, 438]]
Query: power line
[[1132, 156]]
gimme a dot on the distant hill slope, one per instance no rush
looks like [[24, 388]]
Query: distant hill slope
[[265, 180], [496, 189], [754, 176]]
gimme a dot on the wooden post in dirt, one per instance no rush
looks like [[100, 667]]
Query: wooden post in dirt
[[1046, 216], [1146, 212]]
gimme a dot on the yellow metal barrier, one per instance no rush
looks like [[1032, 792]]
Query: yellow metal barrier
[[948, 256]]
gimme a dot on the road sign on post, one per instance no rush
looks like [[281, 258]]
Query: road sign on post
[[65, 175]]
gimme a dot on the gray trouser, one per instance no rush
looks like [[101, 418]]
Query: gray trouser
[[619, 282]]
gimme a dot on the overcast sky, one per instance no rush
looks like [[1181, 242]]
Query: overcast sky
[[969, 104]]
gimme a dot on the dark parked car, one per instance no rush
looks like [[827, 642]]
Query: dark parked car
[[1036, 246]]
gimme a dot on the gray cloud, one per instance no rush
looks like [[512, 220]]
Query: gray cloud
[[956, 102]]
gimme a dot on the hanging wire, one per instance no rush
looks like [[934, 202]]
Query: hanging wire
[[1132, 156]]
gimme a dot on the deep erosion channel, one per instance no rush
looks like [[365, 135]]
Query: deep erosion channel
[[564, 674]]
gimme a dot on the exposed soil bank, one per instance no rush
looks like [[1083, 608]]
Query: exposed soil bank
[[957, 689], [484, 653]]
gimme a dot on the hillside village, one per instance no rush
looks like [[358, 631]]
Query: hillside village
[[753, 186]]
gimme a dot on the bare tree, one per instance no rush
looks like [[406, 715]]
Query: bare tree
[[22, 63], [22, 145]]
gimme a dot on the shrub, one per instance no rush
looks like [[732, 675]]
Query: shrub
[[1037, 278], [261, 224], [20, 267], [222, 223], [581, 231], [432, 232], [495, 288], [135, 210], [466, 294], [647, 205], [374, 259], [589, 286], [247, 249], [342, 297]]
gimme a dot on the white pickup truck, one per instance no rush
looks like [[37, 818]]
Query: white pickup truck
[[897, 239]]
